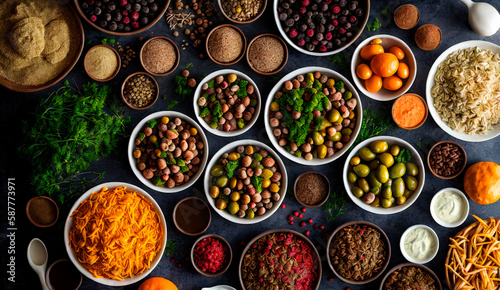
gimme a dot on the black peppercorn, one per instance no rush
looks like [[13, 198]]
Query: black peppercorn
[[311, 25], [285, 6], [319, 36], [321, 28], [145, 9], [342, 3], [353, 6], [120, 26], [283, 16], [85, 5], [107, 17], [315, 13], [151, 1], [359, 12], [144, 2], [314, 7], [345, 12], [286, 29], [343, 39], [348, 34], [309, 14], [98, 3], [292, 1], [128, 7], [342, 19], [103, 23], [307, 39], [153, 7], [117, 16], [301, 35], [295, 17], [323, 21], [127, 28], [289, 22], [310, 46], [324, 42], [111, 6], [317, 1], [144, 20], [347, 25], [112, 26], [329, 45], [337, 42], [289, 11], [330, 27], [98, 11], [137, 7], [323, 6], [105, 1], [302, 27]]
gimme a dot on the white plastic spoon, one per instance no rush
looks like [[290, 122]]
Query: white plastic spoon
[[483, 18], [37, 257]]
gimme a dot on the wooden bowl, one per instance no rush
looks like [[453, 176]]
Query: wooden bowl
[[380, 271], [78, 35], [124, 97], [144, 28], [185, 217], [32, 220], [85, 64], [177, 53], [436, 278], [460, 148], [425, 115], [326, 195], [242, 53], [261, 11], [228, 259], [401, 14], [285, 55]]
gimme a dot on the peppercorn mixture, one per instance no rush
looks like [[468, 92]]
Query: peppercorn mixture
[[140, 90]]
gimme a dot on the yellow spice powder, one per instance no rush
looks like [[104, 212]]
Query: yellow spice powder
[[101, 62]]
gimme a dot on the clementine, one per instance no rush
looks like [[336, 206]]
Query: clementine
[[157, 283], [385, 64], [482, 182], [371, 50]]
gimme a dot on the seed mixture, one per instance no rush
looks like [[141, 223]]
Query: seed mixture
[[101, 62], [225, 44], [410, 278], [140, 90], [159, 56], [311, 188], [266, 54], [358, 252], [242, 10]]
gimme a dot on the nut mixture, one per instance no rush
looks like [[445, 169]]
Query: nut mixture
[[140, 91], [446, 159], [410, 278], [227, 103], [321, 119], [246, 182], [242, 10], [168, 152], [225, 44], [358, 252]]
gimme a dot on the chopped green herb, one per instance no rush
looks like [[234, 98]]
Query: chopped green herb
[[217, 110], [242, 92], [171, 162], [158, 181], [374, 25], [273, 80], [336, 204], [189, 65], [339, 85], [241, 123], [172, 104], [257, 183], [231, 166], [181, 87], [180, 162], [184, 169], [204, 112], [152, 123], [384, 11], [404, 156], [169, 248], [211, 83]]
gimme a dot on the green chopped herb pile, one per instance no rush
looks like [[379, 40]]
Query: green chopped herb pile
[[373, 125], [72, 128]]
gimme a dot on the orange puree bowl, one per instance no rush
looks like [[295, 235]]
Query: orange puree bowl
[[409, 111]]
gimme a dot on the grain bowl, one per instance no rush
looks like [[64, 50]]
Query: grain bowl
[[410, 275], [242, 12], [140, 91]]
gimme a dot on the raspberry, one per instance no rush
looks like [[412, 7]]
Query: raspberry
[[352, 18], [291, 223], [123, 2], [302, 10], [321, 227], [336, 9], [310, 32], [93, 18], [335, 22], [126, 20], [293, 33], [124, 12], [311, 220], [135, 24], [283, 206], [314, 42], [301, 42], [305, 3], [307, 233], [328, 36], [331, 280], [303, 209], [322, 48], [172, 260], [342, 30], [134, 15]]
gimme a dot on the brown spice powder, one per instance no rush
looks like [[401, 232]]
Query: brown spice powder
[[266, 54], [159, 56], [101, 62], [311, 188], [225, 44], [42, 211]]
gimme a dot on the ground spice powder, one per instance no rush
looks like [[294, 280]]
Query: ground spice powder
[[159, 56], [42, 211], [311, 188], [408, 111], [225, 44], [101, 62], [266, 54]]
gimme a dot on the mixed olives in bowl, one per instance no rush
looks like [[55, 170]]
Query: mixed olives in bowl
[[384, 175], [245, 182], [313, 115], [168, 151]]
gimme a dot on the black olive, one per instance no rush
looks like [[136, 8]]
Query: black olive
[[111, 6], [107, 17], [144, 20], [289, 22], [137, 7], [112, 26]]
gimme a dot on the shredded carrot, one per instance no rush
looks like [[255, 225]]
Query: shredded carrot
[[116, 233]]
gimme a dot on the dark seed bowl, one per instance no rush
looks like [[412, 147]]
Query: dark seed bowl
[[454, 173], [125, 96], [296, 16], [434, 276]]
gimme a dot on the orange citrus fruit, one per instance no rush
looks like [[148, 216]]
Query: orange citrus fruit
[[371, 50], [376, 41], [363, 71], [403, 70], [398, 52], [385, 64], [373, 84], [392, 83], [157, 283]]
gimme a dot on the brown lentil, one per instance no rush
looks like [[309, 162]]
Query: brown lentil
[[225, 44], [159, 56], [266, 54], [242, 10], [140, 90]]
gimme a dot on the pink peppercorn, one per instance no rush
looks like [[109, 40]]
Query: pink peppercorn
[[135, 24], [310, 221], [305, 3], [342, 30], [283, 206], [310, 32], [302, 224], [321, 227], [179, 265], [307, 233], [134, 15], [314, 41], [331, 280], [172, 260], [126, 20], [293, 33], [315, 226], [93, 18], [296, 213], [90, 2], [290, 218], [352, 18], [303, 209], [328, 36], [261, 279], [300, 216], [291, 223], [335, 22], [336, 9], [301, 42]]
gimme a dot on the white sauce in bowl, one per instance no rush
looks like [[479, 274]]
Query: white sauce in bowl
[[419, 244], [449, 207]]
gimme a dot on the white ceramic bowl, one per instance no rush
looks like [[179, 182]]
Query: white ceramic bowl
[[215, 160], [430, 100], [409, 59], [197, 95], [393, 209], [131, 146], [314, 53], [435, 241], [465, 211], [106, 281], [292, 75]]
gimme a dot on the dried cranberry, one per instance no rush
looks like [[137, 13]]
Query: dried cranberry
[[311, 220], [303, 209], [302, 10], [124, 12], [123, 2], [336, 9], [290, 218], [342, 30], [302, 224], [335, 22], [328, 36], [283, 205], [126, 20], [293, 33], [309, 33], [135, 24], [93, 18], [296, 213], [352, 18], [305, 3], [301, 42], [90, 2], [134, 16], [307, 233]]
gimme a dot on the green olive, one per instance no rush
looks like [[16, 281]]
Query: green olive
[[408, 193], [366, 154], [398, 170], [317, 138], [373, 164], [266, 174], [375, 190], [394, 150], [401, 200], [382, 174], [364, 185], [411, 169], [398, 187], [233, 207], [376, 202], [387, 202], [387, 159], [322, 150], [358, 192], [339, 121], [250, 214], [333, 116], [346, 131], [379, 146], [388, 183], [410, 182], [373, 180], [220, 204], [386, 192], [352, 177], [217, 170], [221, 181], [335, 138], [362, 170]]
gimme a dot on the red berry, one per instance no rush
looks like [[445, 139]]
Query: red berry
[[322, 48], [336, 9], [93, 18], [296, 213], [328, 36], [293, 33], [305, 3], [290, 218], [342, 30], [90, 2], [310, 32], [135, 24], [179, 265], [283, 206], [124, 12], [331, 280], [307, 233], [261, 279], [314, 41], [315, 226], [321, 227], [328, 1], [302, 10], [303, 209], [335, 22], [123, 2], [242, 243], [361, 232], [126, 20], [352, 18], [301, 42], [291, 223], [134, 15], [310, 221], [302, 224], [172, 260], [300, 216]]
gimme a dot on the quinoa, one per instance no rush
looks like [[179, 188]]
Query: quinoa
[[225, 44], [159, 56], [266, 54], [101, 62]]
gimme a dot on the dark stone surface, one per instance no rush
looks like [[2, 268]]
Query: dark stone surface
[[450, 16]]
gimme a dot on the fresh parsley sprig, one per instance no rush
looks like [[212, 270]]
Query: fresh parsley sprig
[[336, 204]]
